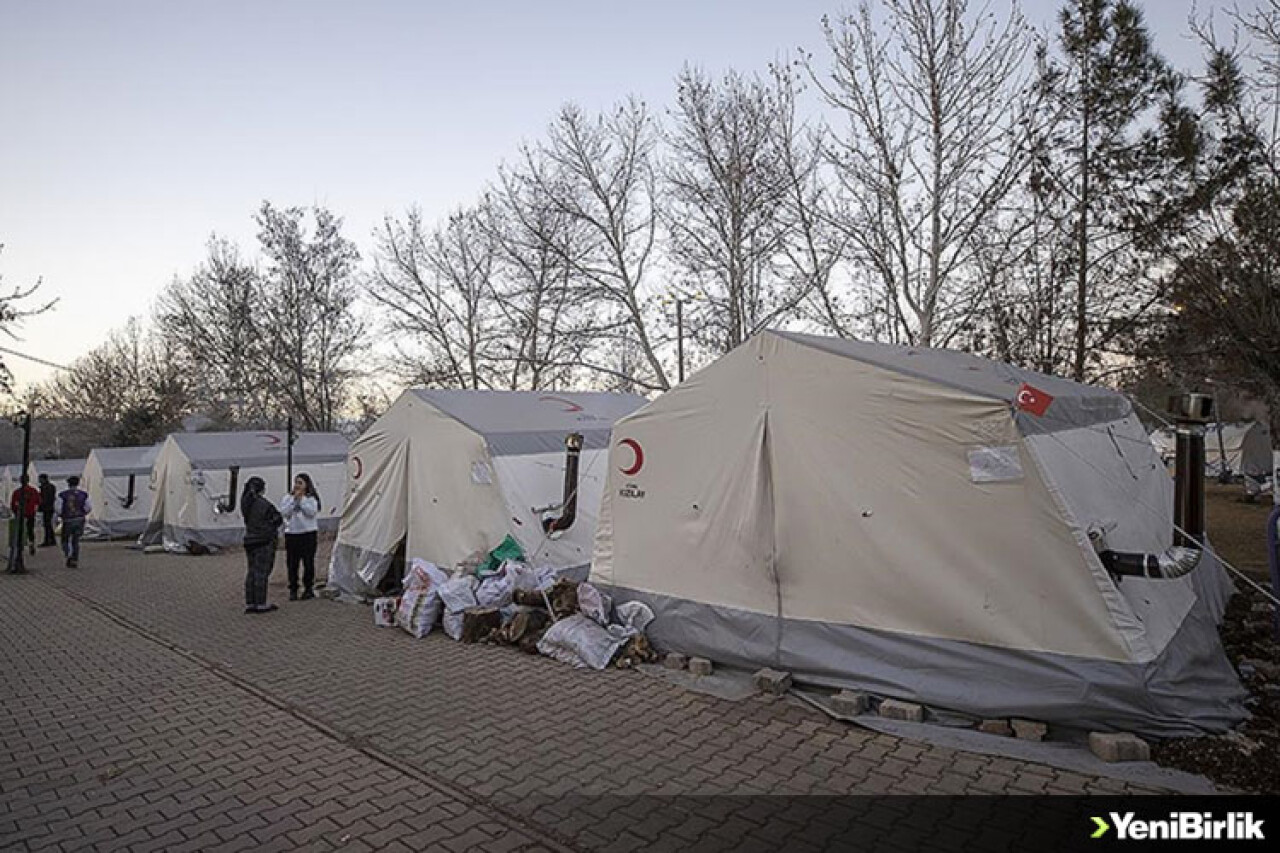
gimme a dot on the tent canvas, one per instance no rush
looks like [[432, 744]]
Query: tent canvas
[[9, 478], [1247, 446], [58, 470], [889, 519], [192, 499], [117, 480], [451, 473]]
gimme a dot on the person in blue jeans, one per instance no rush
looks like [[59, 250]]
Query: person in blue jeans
[[71, 507]]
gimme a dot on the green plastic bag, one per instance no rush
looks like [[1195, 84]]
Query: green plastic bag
[[508, 549]]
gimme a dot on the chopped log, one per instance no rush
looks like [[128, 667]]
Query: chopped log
[[635, 651], [564, 598], [524, 622], [479, 622], [529, 598], [529, 642]]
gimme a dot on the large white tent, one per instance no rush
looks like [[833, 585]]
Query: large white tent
[[1246, 445], [918, 523], [198, 476], [117, 480], [451, 473]]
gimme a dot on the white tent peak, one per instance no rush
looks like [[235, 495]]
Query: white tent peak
[[249, 447], [521, 422], [1074, 403]]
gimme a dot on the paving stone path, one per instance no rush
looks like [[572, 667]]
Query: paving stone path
[[141, 709]]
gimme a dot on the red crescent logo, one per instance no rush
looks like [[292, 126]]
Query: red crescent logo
[[637, 462], [355, 460], [272, 440], [569, 405]]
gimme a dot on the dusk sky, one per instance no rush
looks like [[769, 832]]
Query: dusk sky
[[131, 131]]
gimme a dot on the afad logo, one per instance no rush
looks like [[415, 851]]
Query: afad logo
[[1181, 826], [630, 461]]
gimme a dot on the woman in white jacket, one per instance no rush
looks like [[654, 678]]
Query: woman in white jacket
[[301, 511]]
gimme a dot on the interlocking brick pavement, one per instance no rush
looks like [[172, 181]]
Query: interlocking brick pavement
[[142, 706]]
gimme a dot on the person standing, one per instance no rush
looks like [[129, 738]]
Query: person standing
[[301, 510], [48, 503], [71, 507], [261, 524], [24, 503]]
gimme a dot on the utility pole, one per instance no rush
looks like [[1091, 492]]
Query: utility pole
[[17, 565], [680, 339], [288, 486]]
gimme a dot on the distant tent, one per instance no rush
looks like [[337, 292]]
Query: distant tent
[[118, 480], [198, 477], [1247, 445], [58, 470], [9, 480], [451, 473], [917, 523]]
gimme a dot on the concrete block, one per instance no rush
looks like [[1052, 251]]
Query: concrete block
[[772, 681], [1120, 746], [700, 666], [1029, 729], [675, 660], [850, 703], [894, 709], [996, 727]]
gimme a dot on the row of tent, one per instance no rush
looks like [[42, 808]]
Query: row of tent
[[183, 493], [918, 523], [1235, 449]]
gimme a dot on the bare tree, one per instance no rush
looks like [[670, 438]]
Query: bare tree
[[933, 100], [208, 319], [14, 308], [599, 171], [546, 316], [131, 386], [309, 327], [730, 179], [436, 289]]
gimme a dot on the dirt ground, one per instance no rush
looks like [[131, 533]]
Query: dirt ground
[[1238, 529], [1248, 759]]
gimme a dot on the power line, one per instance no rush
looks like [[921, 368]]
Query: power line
[[8, 351]]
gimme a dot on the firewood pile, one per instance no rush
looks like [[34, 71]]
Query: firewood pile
[[517, 606]]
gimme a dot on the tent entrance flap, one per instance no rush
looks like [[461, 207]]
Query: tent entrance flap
[[768, 519]]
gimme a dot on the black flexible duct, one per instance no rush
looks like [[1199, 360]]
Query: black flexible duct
[[1173, 563]]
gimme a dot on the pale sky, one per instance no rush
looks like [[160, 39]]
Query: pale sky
[[130, 130]]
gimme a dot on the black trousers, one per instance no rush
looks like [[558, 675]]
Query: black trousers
[[300, 549], [261, 559], [46, 518]]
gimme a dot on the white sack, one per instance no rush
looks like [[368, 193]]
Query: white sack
[[581, 642]]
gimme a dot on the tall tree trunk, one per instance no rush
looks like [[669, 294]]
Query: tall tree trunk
[[1082, 269]]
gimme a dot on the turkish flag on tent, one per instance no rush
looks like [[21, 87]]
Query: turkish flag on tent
[[1033, 400]]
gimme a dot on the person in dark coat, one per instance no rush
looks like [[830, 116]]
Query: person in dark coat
[[72, 508], [48, 497], [261, 526]]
